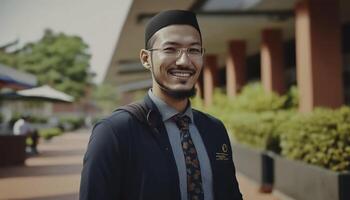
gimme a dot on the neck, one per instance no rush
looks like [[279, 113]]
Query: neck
[[178, 104]]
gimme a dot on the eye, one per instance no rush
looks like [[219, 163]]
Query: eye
[[194, 51], [170, 50]]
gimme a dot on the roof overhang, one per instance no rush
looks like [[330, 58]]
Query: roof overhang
[[12, 78], [42, 93], [220, 22]]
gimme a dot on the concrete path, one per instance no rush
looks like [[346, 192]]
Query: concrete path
[[55, 173]]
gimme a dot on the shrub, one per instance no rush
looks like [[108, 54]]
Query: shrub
[[49, 133], [253, 98], [71, 123], [258, 130], [38, 120], [321, 138], [33, 119], [271, 122], [254, 115], [13, 120], [292, 98]]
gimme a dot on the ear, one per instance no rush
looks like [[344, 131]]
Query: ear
[[145, 58]]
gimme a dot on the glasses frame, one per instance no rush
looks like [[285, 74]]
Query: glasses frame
[[179, 52]]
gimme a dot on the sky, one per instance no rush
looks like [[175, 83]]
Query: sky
[[98, 22]]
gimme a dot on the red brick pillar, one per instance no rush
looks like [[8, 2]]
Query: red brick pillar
[[209, 71], [272, 62], [318, 52], [235, 67]]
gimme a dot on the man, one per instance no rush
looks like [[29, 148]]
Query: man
[[180, 153], [23, 127]]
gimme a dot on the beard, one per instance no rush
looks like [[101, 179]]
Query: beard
[[176, 94]]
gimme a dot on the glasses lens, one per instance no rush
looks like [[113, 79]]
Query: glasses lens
[[191, 52], [177, 52]]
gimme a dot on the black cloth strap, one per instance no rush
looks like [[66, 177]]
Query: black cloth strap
[[139, 110]]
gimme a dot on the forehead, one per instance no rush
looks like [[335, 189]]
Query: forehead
[[179, 34]]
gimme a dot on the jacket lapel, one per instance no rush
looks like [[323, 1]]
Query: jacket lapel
[[207, 137], [161, 136], [209, 140]]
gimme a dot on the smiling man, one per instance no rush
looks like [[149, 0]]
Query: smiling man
[[161, 148]]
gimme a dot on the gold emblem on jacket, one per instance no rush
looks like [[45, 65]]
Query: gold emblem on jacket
[[223, 155]]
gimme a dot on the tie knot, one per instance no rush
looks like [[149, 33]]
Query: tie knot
[[182, 122]]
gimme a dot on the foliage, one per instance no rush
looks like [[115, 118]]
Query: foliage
[[258, 129], [70, 123], [33, 119], [271, 122], [105, 97], [38, 120], [253, 98], [13, 120], [57, 59], [292, 98], [49, 133], [139, 95], [8, 58], [254, 115], [321, 138]]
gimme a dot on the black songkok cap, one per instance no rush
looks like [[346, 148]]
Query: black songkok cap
[[167, 18]]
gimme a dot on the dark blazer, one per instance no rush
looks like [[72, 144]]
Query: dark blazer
[[128, 160]]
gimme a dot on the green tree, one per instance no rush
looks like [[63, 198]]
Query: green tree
[[8, 58], [105, 97], [57, 59]]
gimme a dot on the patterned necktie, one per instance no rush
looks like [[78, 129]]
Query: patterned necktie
[[194, 178]]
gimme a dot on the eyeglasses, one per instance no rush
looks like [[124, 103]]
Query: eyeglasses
[[191, 52]]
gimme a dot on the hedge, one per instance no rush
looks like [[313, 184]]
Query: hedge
[[33, 119], [70, 123], [254, 115], [258, 130], [270, 122], [49, 133], [321, 138]]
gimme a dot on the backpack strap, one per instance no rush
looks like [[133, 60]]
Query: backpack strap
[[138, 110]]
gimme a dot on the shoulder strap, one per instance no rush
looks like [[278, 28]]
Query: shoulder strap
[[138, 110]]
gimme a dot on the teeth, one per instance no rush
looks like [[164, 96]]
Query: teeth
[[180, 74]]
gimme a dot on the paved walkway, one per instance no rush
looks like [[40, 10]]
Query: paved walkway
[[55, 173]]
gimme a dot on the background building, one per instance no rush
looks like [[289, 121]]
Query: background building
[[303, 42]]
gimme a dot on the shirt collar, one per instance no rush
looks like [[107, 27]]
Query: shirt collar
[[167, 111]]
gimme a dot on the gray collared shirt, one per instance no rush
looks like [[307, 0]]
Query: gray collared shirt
[[167, 113]]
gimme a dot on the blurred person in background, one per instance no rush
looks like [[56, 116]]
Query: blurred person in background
[[23, 127]]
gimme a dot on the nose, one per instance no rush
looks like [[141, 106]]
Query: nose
[[183, 59]]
